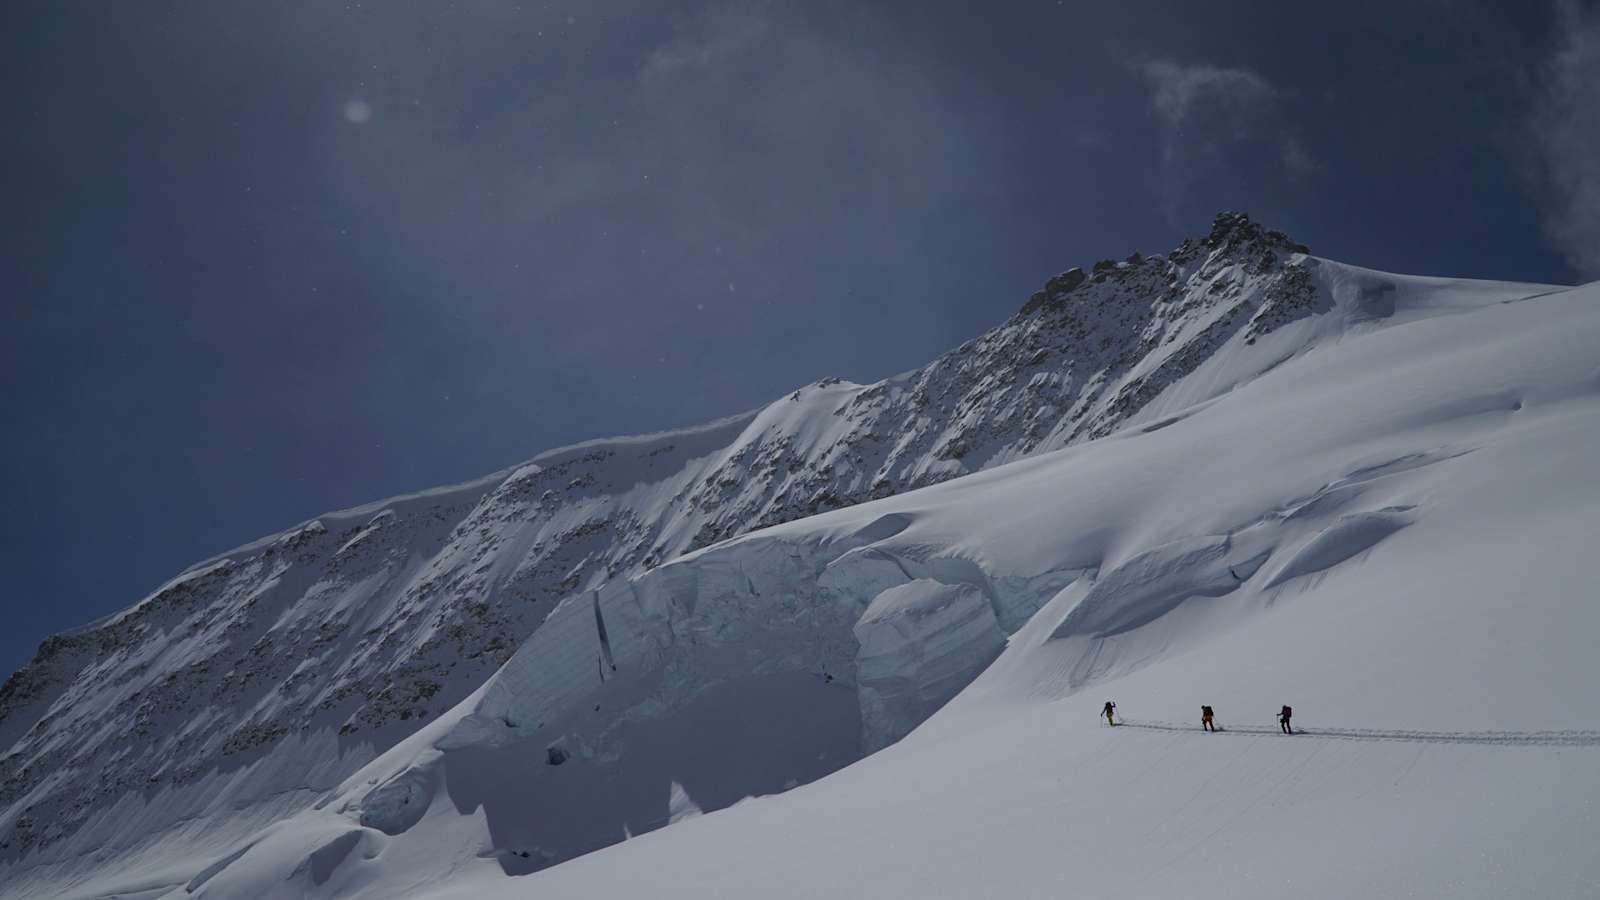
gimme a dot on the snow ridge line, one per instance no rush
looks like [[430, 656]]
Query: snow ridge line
[[1569, 738]]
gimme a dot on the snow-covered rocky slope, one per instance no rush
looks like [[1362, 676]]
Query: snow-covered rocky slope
[[1271, 428], [1394, 534], [1391, 532]]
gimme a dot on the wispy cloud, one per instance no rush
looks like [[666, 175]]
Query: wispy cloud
[[1297, 159], [719, 34], [1566, 128], [1206, 112], [1180, 92]]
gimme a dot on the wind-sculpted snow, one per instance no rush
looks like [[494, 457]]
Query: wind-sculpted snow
[[1352, 534], [1153, 583], [601, 641]]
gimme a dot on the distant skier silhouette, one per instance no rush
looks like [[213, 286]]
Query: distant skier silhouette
[[1283, 719], [1108, 712], [1205, 718]]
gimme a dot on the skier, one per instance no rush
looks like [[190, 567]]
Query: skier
[[1109, 711], [1205, 718], [1283, 719]]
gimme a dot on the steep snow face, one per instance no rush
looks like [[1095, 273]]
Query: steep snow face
[[740, 670], [1391, 534], [255, 683], [920, 643]]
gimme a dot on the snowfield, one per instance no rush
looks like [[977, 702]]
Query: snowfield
[[1381, 511]]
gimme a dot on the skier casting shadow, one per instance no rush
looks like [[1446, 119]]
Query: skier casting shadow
[[1283, 719], [1108, 712], [1205, 719]]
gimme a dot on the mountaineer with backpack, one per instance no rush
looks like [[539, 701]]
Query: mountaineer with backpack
[[1283, 719], [1109, 711], [1205, 719]]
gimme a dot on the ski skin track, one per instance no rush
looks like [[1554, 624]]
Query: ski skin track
[[1563, 738]]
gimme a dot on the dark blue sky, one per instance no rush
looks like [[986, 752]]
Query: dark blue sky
[[264, 260]]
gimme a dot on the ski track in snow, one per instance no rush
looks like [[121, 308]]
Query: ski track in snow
[[1566, 738]]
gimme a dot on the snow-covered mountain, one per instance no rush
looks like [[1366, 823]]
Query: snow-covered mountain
[[433, 692]]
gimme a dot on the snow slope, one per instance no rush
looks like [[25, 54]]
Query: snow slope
[[1408, 517], [1360, 493]]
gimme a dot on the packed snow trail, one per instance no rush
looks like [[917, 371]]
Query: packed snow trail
[[1495, 738]]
